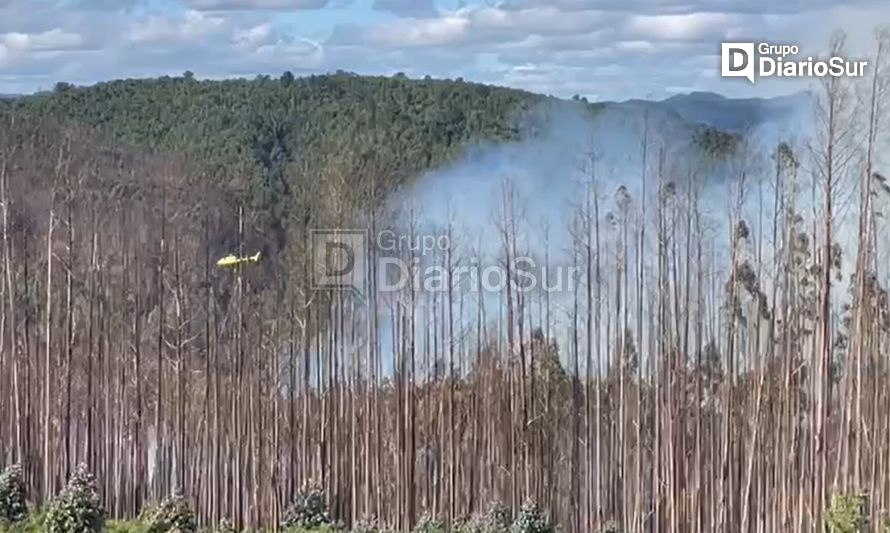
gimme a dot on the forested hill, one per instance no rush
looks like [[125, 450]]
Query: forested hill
[[236, 125]]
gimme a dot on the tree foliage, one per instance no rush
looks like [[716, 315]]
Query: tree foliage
[[531, 520], [13, 508], [77, 509], [173, 515], [414, 124], [308, 511], [846, 514], [265, 137]]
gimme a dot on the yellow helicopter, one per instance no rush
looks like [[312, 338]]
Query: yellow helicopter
[[232, 261]]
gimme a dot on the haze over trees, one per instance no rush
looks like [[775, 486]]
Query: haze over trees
[[717, 366]]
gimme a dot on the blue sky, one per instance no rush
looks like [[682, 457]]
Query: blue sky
[[602, 49]]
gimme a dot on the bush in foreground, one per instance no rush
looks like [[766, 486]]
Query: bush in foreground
[[13, 508], [531, 520], [846, 514], [495, 520], [368, 525], [224, 526], [124, 526], [308, 511], [173, 515], [77, 509], [33, 523], [610, 527], [429, 524]]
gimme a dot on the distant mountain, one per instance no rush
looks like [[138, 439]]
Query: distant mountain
[[737, 114], [767, 118], [405, 126]]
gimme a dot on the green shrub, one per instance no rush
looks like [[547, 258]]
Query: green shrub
[[125, 526], [495, 520], [429, 524], [610, 527], [846, 514], [224, 526], [13, 508], [77, 509], [531, 520], [498, 517], [368, 525], [308, 511], [317, 529], [33, 523], [173, 515]]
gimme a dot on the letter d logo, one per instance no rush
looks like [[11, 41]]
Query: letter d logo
[[737, 60]]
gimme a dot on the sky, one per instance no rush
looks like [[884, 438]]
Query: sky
[[600, 49]]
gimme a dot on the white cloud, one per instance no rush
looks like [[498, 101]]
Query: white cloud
[[297, 53], [54, 40], [612, 48], [445, 30], [193, 26], [477, 25], [242, 5], [679, 7], [266, 46], [688, 27], [17, 48], [635, 46], [540, 20], [410, 8], [255, 36]]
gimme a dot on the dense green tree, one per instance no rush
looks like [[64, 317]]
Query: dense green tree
[[414, 124], [13, 508], [78, 508], [250, 134]]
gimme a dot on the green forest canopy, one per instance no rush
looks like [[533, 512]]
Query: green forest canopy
[[255, 129], [248, 134], [230, 124]]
